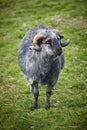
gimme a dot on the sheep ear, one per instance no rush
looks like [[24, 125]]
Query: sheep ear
[[57, 33], [61, 37]]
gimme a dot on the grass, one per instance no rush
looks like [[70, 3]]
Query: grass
[[69, 100]]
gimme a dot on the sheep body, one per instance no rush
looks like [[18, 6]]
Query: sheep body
[[38, 66], [41, 66]]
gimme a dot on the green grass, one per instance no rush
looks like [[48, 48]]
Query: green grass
[[69, 99]]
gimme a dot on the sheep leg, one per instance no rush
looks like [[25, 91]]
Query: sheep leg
[[36, 94], [48, 95]]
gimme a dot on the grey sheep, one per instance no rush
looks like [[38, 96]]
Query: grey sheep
[[41, 59]]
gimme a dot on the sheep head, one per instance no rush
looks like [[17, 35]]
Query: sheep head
[[49, 41]]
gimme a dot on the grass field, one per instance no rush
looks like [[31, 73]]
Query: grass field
[[69, 99]]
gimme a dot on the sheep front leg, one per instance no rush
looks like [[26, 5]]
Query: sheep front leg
[[48, 95], [36, 94]]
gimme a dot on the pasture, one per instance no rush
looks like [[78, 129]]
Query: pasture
[[69, 98]]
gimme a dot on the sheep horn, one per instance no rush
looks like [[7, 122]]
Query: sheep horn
[[63, 44], [35, 46], [37, 37]]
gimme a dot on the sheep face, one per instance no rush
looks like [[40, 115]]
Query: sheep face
[[47, 43]]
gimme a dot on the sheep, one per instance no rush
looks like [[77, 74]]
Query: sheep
[[41, 59]]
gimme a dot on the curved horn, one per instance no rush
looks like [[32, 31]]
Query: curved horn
[[65, 43], [37, 37], [35, 46]]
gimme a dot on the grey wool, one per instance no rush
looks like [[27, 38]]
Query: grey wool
[[41, 59]]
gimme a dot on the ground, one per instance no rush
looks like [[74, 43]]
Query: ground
[[69, 98]]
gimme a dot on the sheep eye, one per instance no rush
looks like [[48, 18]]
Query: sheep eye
[[48, 42]]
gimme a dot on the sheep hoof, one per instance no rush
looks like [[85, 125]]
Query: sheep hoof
[[34, 107]]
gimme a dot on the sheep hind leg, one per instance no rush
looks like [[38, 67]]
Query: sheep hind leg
[[36, 94], [48, 95]]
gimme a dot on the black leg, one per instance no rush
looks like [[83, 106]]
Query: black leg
[[36, 94], [48, 95]]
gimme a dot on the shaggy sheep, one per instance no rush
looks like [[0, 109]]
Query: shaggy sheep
[[41, 59]]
